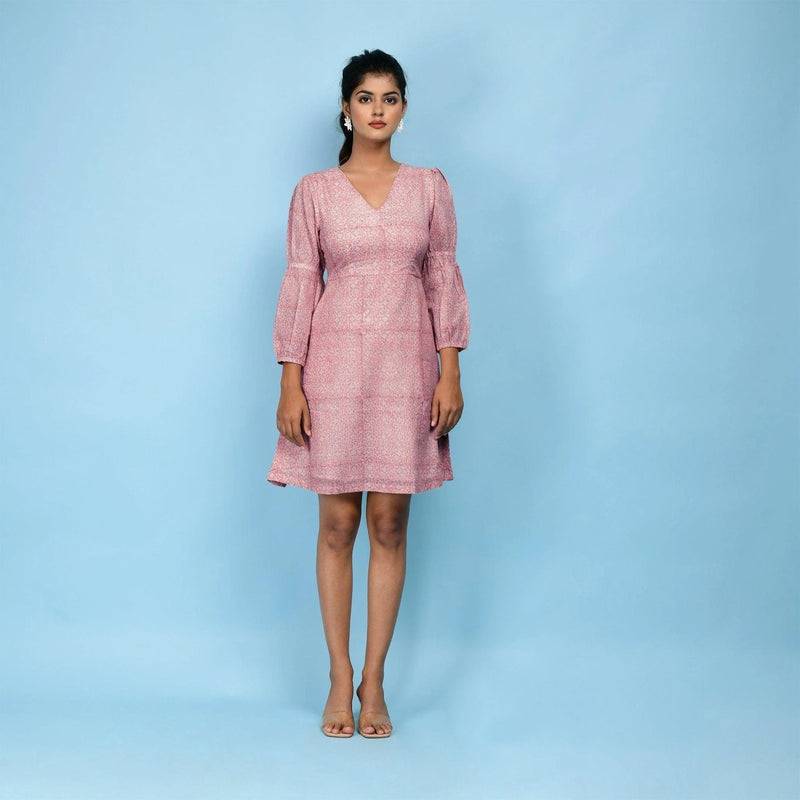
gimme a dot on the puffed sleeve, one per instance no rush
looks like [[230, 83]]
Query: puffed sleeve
[[302, 284], [441, 275]]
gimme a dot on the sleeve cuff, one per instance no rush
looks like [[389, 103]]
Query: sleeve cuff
[[459, 344], [292, 359]]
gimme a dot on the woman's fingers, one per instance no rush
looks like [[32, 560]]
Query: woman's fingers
[[293, 416], [290, 428], [448, 420], [297, 430], [451, 421], [444, 423], [447, 404]]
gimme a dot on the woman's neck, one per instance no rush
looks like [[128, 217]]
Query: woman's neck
[[369, 157]]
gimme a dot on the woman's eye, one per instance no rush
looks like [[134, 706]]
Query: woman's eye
[[391, 100]]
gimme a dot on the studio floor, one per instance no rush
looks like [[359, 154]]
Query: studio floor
[[580, 723]]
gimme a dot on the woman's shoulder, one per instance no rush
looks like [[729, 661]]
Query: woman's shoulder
[[317, 176], [425, 172], [433, 177]]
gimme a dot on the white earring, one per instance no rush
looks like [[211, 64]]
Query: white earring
[[347, 123], [400, 126]]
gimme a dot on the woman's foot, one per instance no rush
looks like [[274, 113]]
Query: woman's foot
[[337, 718], [373, 721]]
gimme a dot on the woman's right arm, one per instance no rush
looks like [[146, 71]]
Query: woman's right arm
[[293, 414], [301, 289]]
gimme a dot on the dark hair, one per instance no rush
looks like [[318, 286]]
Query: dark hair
[[370, 62]]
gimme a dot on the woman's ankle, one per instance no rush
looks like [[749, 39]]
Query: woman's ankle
[[372, 677], [341, 672]]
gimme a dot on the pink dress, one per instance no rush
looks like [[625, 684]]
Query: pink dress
[[368, 335]]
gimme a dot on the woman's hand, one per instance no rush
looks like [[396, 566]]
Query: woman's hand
[[447, 404], [293, 414]]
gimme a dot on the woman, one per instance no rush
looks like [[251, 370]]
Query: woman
[[364, 404]]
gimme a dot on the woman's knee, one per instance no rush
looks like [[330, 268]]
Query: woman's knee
[[387, 527], [338, 527]]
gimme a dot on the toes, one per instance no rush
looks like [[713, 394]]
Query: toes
[[376, 728], [338, 727]]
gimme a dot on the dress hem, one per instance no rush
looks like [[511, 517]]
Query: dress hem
[[360, 486]]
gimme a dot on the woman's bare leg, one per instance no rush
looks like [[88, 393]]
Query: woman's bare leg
[[339, 518], [387, 523]]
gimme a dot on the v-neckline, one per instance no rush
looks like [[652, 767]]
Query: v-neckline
[[386, 199]]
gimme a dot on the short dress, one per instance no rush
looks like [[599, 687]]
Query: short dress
[[368, 297]]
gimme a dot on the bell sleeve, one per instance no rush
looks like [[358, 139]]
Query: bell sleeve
[[441, 275], [302, 284]]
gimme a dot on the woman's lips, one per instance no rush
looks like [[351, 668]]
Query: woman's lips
[[377, 124]]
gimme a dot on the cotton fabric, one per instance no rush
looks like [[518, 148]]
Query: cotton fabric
[[368, 297]]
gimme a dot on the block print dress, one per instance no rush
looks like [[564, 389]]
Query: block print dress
[[368, 297]]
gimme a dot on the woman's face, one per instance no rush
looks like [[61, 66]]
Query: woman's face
[[375, 99]]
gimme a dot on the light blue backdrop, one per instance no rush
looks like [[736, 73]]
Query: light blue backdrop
[[604, 603]]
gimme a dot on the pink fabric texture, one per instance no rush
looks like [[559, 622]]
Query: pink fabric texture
[[368, 297]]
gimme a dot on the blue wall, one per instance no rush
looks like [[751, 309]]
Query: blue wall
[[625, 178]]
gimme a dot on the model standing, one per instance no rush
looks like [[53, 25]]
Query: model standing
[[366, 405]]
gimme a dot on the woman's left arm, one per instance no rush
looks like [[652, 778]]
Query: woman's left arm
[[448, 402], [447, 302]]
